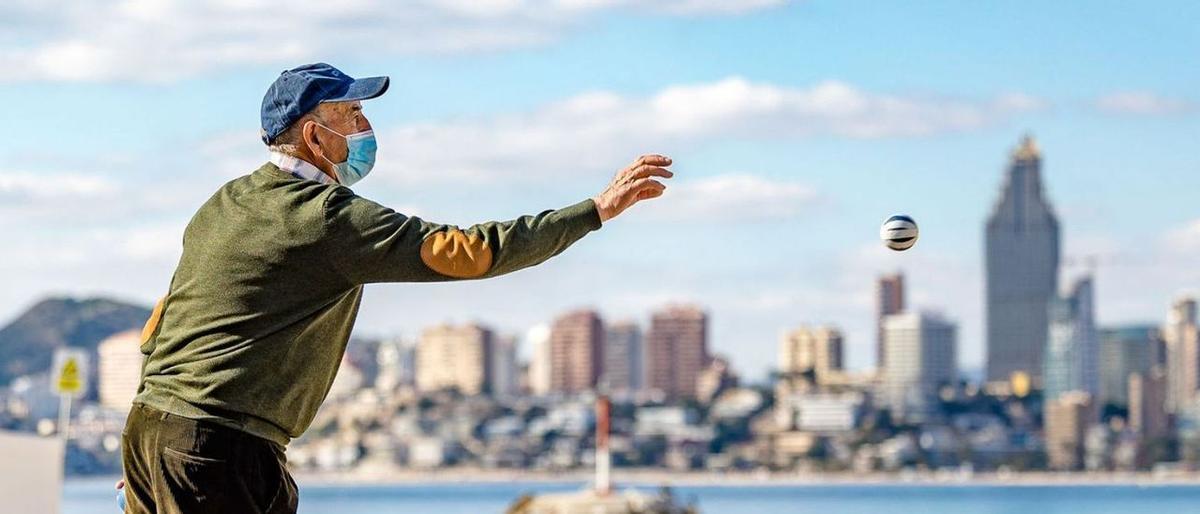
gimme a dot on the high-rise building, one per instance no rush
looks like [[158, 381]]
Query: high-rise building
[[889, 299], [505, 370], [120, 369], [1147, 393], [623, 358], [576, 352], [1182, 338], [1124, 351], [676, 350], [1067, 419], [922, 353], [539, 361], [1072, 350], [455, 357], [811, 350], [397, 363], [1021, 258]]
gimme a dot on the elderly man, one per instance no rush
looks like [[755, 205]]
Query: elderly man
[[243, 348]]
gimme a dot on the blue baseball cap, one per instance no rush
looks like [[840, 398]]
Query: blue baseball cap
[[298, 91]]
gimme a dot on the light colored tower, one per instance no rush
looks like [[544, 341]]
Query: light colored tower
[[1072, 351], [806, 349], [1182, 338], [539, 362], [576, 352], [676, 350], [889, 300], [1021, 258], [455, 357], [923, 357], [120, 369]]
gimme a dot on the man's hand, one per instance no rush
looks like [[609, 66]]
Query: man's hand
[[632, 185]]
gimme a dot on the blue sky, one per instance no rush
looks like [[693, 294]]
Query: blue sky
[[796, 128]]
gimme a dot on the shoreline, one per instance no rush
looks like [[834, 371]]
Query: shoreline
[[655, 478]]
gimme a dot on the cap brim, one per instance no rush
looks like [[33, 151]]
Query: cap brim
[[362, 89]]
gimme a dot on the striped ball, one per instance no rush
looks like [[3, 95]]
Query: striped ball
[[899, 232]]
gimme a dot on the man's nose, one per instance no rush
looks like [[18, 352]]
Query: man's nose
[[363, 124]]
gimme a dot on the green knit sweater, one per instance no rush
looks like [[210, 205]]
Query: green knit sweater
[[261, 306]]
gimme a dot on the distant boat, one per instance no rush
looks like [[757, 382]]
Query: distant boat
[[601, 499]]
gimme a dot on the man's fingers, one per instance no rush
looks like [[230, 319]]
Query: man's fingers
[[652, 159], [636, 187], [647, 194], [647, 170]]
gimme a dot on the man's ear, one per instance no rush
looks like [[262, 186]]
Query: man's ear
[[308, 133]]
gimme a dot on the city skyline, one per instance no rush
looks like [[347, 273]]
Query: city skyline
[[813, 136]]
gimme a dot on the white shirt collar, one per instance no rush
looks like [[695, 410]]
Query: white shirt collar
[[300, 168]]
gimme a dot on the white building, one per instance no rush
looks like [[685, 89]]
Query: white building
[[397, 365], [922, 357], [539, 363], [120, 369], [822, 412]]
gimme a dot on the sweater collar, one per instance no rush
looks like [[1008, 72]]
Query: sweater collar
[[299, 168]]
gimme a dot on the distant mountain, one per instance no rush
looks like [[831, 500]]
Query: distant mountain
[[27, 344]]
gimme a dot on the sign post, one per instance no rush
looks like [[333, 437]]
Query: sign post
[[69, 380]]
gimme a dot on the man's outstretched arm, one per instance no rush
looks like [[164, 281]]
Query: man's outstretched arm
[[368, 242]]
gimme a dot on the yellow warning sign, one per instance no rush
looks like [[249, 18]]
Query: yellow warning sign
[[68, 381], [69, 375]]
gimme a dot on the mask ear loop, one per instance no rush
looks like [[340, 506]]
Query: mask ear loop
[[331, 163]]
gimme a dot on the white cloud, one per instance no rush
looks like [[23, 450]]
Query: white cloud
[[164, 40], [586, 132], [729, 198], [1183, 240], [29, 185], [1143, 103]]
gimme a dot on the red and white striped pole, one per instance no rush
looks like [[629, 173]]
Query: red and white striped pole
[[603, 456]]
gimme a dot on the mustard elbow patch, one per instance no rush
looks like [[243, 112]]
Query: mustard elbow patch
[[455, 254], [155, 319]]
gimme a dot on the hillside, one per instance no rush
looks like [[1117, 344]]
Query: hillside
[[27, 343]]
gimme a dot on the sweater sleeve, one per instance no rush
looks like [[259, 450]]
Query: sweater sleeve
[[370, 243]]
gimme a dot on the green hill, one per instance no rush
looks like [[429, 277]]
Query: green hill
[[27, 343]]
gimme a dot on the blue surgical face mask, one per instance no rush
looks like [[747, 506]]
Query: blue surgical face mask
[[360, 156]]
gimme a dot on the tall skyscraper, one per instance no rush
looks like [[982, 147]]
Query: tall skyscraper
[[1182, 337], [623, 358], [576, 352], [505, 370], [1123, 352], [676, 350], [1072, 351], [807, 349], [1021, 258], [539, 363], [889, 300], [120, 369], [922, 353], [455, 357]]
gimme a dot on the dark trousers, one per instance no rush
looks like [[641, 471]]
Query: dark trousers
[[175, 465]]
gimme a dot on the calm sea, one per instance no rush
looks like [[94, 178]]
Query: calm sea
[[97, 497]]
